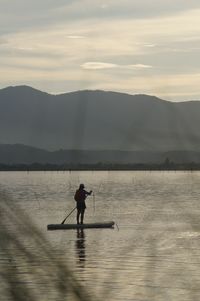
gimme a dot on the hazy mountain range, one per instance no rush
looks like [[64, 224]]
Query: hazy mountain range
[[22, 154], [96, 121]]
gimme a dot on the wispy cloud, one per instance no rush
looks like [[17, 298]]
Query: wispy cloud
[[97, 65], [75, 37], [123, 9], [102, 65], [149, 45], [140, 66]]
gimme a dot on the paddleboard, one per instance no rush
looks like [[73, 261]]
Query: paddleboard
[[109, 224]]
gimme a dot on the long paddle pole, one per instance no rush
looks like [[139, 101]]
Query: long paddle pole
[[93, 203], [68, 216]]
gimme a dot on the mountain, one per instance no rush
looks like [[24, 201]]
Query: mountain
[[97, 120], [22, 154]]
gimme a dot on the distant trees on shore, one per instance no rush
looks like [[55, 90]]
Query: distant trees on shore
[[166, 165]]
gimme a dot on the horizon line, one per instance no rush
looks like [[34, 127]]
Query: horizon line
[[97, 90]]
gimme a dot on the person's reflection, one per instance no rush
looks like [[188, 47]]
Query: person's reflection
[[80, 247]]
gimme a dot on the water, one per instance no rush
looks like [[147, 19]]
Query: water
[[152, 253]]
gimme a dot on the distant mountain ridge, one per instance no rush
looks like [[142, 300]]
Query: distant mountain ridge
[[97, 120], [23, 154]]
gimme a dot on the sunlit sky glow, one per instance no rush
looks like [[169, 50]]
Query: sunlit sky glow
[[147, 46]]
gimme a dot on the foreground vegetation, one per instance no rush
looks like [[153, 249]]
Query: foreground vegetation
[[29, 267]]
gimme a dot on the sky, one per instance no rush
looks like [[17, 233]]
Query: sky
[[130, 46]]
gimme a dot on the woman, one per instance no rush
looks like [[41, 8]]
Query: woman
[[80, 197]]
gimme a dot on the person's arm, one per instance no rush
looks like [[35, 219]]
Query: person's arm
[[88, 193]]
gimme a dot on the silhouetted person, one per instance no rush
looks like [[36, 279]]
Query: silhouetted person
[[80, 197]]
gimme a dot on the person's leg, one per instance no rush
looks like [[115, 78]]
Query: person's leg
[[77, 216], [82, 215]]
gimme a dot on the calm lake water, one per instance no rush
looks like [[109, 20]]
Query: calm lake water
[[153, 253]]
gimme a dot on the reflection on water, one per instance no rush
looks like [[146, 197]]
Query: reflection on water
[[80, 247]]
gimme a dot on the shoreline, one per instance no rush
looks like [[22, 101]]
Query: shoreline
[[100, 167]]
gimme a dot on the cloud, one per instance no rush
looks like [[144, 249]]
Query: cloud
[[149, 45], [114, 44], [22, 14], [123, 9], [97, 65], [75, 37], [101, 65], [140, 66]]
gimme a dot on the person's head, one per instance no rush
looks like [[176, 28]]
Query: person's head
[[81, 186]]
